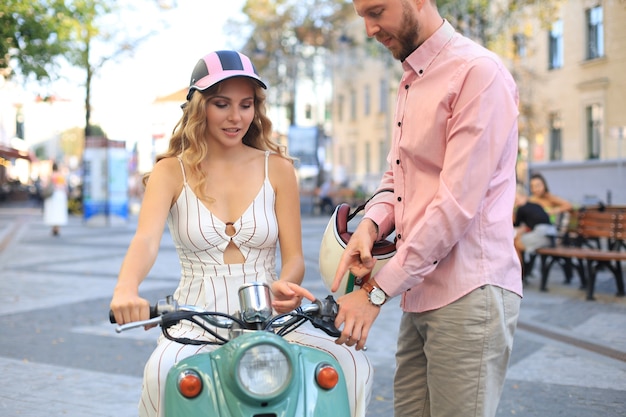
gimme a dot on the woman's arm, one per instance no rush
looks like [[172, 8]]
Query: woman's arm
[[557, 204], [162, 189], [287, 291]]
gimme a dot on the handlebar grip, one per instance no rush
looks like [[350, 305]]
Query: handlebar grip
[[325, 319], [154, 312]]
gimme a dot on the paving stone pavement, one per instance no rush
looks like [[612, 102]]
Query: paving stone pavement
[[60, 356]]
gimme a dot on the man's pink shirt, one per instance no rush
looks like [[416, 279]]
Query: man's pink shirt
[[452, 168]]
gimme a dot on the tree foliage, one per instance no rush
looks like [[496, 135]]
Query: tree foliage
[[280, 29], [33, 34], [285, 36], [485, 21], [36, 35]]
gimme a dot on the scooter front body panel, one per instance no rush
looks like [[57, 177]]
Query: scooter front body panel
[[226, 394]]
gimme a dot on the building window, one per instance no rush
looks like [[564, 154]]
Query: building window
[[595, 33], [352, 105], [383, 95], [366, 100], [519, 43], [382, 155], [555, 137], [340, 101], [368, 158], [328, 110], [594, 118], [555, 43], [352, 155], [342, 156], [19, 123]]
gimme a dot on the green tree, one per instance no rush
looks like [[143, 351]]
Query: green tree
[[72, 141], [36, 35], [286, 34], [98, 37], [33, 35], [279, 27], [487, 21]]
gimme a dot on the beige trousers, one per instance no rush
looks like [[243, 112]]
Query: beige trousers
[[451, 362]]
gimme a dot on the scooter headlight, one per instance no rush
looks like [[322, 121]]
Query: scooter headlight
[[264, 370]]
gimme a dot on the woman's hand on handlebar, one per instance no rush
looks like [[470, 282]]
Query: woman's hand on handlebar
[[129, 307], [288, 296]]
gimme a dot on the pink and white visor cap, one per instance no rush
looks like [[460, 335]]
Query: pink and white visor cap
[[218, 66]]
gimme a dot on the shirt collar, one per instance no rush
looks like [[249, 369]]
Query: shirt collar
[[422, 57]]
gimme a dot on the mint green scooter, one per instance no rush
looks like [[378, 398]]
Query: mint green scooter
[[255, 373]]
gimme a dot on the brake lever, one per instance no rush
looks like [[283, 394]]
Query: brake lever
[[123, 327]]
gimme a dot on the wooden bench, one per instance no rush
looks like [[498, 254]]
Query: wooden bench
[[599, 236], [565, 231]]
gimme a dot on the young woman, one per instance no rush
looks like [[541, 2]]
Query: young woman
[[229, 195], [540, 194], [533, 227]]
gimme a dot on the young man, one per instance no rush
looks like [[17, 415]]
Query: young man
[[452, 166]]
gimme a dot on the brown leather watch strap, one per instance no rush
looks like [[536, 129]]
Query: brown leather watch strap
[[367, 286]]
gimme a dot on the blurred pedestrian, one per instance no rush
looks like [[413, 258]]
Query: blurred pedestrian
[[55, 205], [452, 169], [325, 195]]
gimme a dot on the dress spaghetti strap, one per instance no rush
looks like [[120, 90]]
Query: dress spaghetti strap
[[182, 168]]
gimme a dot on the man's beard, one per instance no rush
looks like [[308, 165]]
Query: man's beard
[[407, 38]]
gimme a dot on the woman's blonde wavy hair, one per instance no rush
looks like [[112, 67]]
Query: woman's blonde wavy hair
[[189, 141]]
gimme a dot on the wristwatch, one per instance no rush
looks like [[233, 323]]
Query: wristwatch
[[375, 294]]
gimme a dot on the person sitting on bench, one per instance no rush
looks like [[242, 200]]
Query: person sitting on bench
[[532, 225]]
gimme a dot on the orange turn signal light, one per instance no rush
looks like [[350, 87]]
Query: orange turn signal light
[[327, 376], [189, 384]]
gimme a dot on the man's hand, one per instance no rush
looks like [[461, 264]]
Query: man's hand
[[357, 257], [357, 315]]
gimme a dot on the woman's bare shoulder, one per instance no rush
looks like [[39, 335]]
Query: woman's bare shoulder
[[168, 168], [281, 170], [168, 161], [281, 161]]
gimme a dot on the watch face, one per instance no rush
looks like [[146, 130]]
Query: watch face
[[377, 296]]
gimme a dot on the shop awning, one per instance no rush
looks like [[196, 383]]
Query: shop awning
[[12, 153]]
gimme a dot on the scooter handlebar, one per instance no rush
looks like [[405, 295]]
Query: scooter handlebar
[[154, 312], [166, 305], [321, 313], [325, 320]]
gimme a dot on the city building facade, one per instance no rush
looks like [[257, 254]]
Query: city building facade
[[571, 70], [365, 78], [570, 67]]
